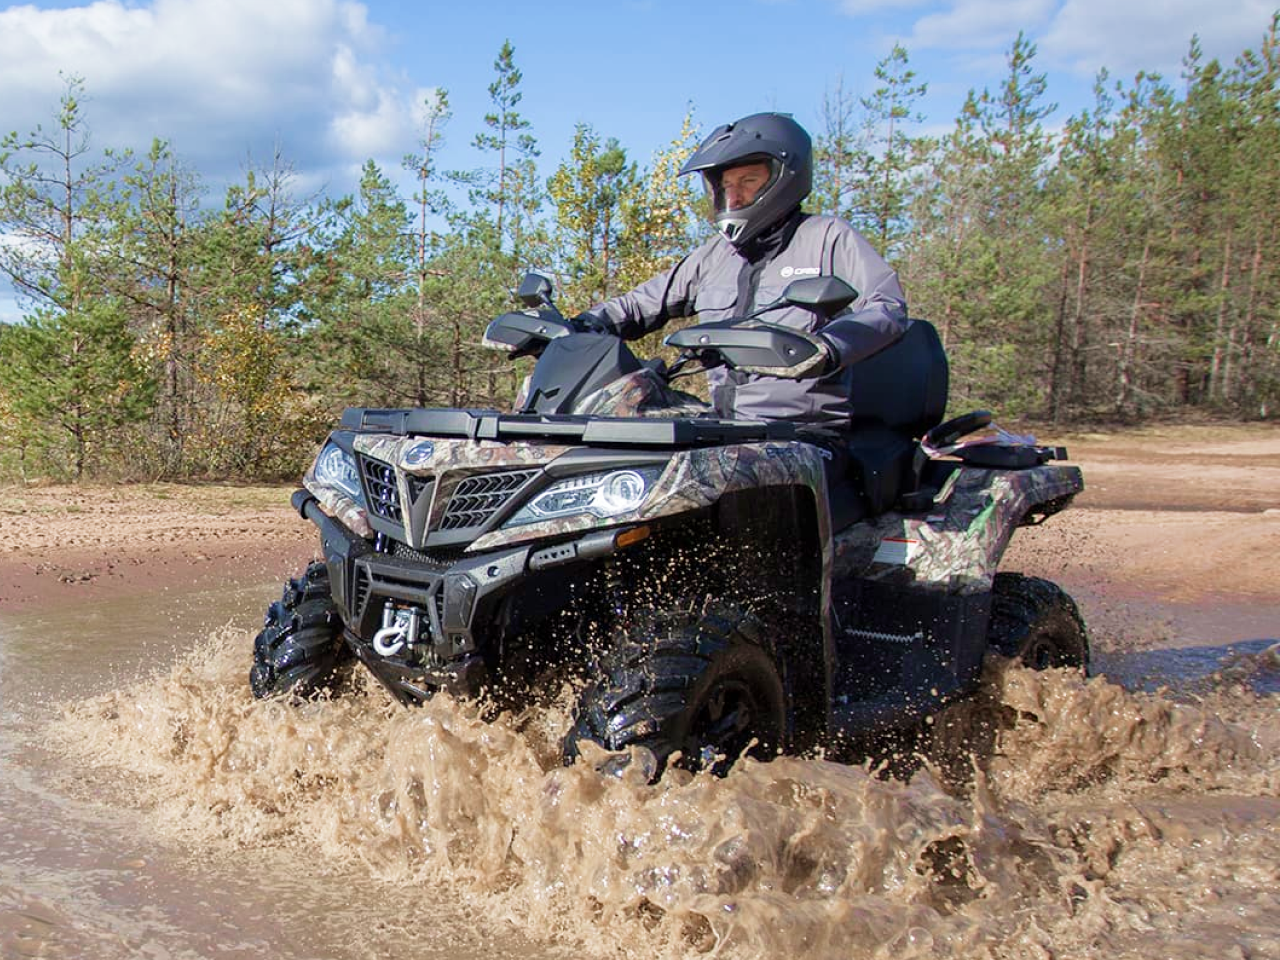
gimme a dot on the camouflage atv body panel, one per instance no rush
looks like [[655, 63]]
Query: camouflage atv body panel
[[955, 547], [339, 505], [450, 462], [691, 480], [641, 394], [958, 544]]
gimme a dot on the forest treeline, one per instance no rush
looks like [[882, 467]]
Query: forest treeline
[[1121, 266]]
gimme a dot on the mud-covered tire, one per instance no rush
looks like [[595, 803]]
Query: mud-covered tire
[[300, 647], [1036, 622], [705, 686]]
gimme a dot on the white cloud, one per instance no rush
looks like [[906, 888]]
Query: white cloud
[[1151, 35], [1078, 35], [372, 130], [214, 77], [979, 24], [960, 45]]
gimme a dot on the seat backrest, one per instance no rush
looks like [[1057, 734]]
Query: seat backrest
[[904, 386]]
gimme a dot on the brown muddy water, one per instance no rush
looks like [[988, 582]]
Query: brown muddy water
[[149, 807]]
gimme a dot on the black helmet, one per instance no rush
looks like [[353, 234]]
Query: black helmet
[[772, 138]]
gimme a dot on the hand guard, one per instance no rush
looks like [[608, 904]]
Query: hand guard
[[819, 363]]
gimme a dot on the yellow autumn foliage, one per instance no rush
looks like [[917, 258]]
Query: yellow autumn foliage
[[259, 420]]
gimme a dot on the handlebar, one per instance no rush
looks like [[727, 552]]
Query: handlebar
[[745, 343]]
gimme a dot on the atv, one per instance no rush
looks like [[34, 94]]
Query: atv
[[713, 589]]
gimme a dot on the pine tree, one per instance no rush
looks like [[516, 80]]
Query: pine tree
[[155, 233], [1251, 366], [661, 218], [77, 370], [71, 361], [835, 152], [54, 204], [978, 264], [590, 190], [370, 351], [1201, 149], [1081, 207], [431, 203], [886, 155], [508, 138]]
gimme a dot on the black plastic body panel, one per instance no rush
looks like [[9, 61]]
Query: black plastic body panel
[[573, 367], [903, 652], [763, 345], [598, 431]]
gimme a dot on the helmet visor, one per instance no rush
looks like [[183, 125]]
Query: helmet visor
[[736, 188]]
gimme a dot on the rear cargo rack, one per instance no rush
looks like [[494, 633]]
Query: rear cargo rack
[[601, 431]]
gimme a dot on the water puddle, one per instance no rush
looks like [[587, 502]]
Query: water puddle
[[94, 862], [150, 807], [1184, 672]]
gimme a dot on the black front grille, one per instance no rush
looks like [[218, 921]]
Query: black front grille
[[359, 592], [381, 491], [438, 561], [476, 499]]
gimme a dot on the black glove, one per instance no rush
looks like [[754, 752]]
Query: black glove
[[586, 323]]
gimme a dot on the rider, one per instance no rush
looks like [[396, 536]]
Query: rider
[[757, 171]]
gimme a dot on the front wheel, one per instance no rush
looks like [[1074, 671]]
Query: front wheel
[[1036, 622], [704, 687], [300, 647]]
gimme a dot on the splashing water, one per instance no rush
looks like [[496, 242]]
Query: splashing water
[[1049, 816]]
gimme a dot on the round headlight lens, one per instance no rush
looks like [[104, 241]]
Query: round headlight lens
[[337, 468], [622, 491]]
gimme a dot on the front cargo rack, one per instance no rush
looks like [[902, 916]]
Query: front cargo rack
[[601, 431]]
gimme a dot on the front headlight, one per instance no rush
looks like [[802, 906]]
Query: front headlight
[[337, 468], [600, 494]]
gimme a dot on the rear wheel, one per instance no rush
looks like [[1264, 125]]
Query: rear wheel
[[703, 686], [300, 647], [1035, 621]]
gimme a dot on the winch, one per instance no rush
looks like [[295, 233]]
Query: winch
[[401, 627]]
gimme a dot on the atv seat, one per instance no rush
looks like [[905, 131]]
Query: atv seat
[[898, 395]]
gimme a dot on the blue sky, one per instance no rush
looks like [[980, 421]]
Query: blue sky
[[333, 82]]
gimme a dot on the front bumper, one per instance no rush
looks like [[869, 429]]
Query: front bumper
[[455, 603]]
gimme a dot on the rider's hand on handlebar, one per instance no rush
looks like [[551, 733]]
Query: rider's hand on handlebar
[[589, 324], [823, 362]]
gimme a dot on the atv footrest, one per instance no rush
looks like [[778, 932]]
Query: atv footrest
[[903, 651]]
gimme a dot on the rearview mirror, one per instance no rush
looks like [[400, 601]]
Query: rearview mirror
[[824, 295], [534, 290]]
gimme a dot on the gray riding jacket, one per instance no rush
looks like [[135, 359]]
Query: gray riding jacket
[[717, 282]]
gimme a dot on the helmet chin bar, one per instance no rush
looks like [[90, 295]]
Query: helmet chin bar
[[731, 227]]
